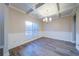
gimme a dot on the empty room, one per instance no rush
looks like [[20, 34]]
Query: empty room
[[39, 29]]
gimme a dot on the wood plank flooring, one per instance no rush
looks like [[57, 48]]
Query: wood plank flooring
[[45, 47]]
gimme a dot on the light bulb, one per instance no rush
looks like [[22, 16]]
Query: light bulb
[[46, 19], [50, 19]]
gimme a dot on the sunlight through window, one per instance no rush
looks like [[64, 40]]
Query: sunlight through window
[[31, 29]]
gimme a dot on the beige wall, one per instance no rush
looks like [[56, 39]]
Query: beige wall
[[17, 21], [62, 24]]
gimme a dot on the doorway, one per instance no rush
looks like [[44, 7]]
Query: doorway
[[74, 29]]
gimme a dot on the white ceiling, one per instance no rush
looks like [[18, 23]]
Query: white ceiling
[[66, 6], [47, 9]]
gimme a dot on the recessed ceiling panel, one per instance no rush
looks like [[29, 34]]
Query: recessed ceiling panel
[[47, 9], [27, 7], [67, 13], [66, 6], [35, 14]]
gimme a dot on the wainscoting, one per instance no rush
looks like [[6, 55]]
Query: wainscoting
[[59, 35], [77, 41], [17, 39]]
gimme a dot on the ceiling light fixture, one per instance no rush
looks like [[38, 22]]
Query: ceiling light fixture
[[46, 19]]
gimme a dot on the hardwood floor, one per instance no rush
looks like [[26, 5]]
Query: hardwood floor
[[45, 47]]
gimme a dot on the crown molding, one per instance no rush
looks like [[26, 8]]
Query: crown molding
[[17, 9]]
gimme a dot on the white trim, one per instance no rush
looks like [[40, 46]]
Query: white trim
[[17, 9]]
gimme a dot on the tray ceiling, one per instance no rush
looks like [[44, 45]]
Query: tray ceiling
[[41, 10]]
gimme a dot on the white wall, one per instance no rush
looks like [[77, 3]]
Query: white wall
[[1, 25], [6, 18], [77, 28]]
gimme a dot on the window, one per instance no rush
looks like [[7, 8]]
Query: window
[[31, 29]]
